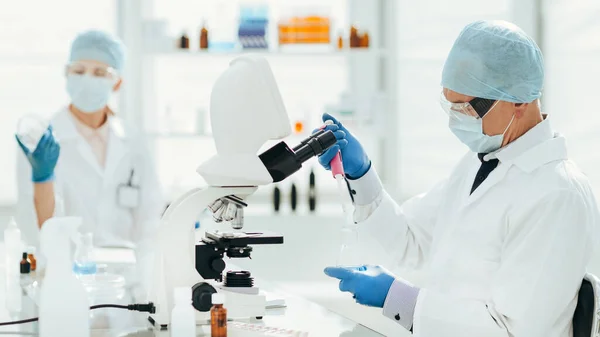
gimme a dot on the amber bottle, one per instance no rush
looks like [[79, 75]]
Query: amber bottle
[[218, 316], [204, 38]]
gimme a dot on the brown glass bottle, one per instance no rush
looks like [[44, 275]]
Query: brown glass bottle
[[184, 42], [218, 316], [25, 265], [364, 40], [32, 261], [354, 38], [204, 38], [31, 257]]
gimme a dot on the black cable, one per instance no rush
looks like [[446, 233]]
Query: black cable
[[116, 306], [147, 307], [29, 320]]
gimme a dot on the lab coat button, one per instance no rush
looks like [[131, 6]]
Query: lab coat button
[[397, 317]]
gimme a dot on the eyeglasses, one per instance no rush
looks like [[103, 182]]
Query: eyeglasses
[[477, 107], [96, 71]]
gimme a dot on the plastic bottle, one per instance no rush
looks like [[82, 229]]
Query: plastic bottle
[[12, 240], [218, 316], [183, 316], [64, 306]]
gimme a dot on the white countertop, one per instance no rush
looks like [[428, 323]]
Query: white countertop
[[300, 314]]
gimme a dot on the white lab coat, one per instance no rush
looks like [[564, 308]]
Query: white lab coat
[[83, 188], [507, 260]]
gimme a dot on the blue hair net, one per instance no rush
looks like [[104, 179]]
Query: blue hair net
[[98, 46], [495, 60]]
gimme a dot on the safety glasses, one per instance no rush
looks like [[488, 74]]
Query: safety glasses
[[477, 107], [95, 71]]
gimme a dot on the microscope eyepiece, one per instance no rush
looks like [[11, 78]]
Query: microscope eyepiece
[[282, 162]]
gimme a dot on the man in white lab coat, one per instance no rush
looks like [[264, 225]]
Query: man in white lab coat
[[507, 236]]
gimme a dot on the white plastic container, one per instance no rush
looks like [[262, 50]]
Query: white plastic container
[[14, 247], [64, 307], [183, 316]]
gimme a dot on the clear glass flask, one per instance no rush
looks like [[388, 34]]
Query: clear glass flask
[[30, 130], [84, 263]]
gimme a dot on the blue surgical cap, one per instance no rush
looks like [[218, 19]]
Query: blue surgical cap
[[495, 60], [98, 46]]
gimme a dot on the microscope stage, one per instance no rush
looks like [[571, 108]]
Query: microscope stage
[[242, 239]]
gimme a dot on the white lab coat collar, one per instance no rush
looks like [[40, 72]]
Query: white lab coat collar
[[65, 130], [536, 147]]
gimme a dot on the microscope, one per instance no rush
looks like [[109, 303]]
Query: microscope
[[246, 111]]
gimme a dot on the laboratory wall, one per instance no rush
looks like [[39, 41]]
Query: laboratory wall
[[425, 33], [571, 42], [34, 50]]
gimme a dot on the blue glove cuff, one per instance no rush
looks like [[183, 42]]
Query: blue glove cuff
[[360, 172], [42, 179]]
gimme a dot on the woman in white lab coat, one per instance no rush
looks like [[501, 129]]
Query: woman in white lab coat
[[90, 163]]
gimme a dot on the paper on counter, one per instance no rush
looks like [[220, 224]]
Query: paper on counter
[[114, 255]]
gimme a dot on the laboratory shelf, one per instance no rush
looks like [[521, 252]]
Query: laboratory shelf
[[267, 52], [178, 135]]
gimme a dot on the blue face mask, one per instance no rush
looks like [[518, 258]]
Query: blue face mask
[[89, 94], [469, 130]]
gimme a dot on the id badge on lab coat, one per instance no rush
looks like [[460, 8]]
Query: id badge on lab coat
[[128, 196]]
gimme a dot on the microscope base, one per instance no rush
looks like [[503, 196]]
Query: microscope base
[[239, 306]]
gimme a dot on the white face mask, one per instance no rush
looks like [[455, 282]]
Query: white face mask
[[89, 94], [469, 130]]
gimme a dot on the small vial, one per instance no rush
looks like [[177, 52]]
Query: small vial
[[354, 38], [25, 265], [340, 42], [364, 40], [184, 41], [31, 257], [204, 37], [218, 316]]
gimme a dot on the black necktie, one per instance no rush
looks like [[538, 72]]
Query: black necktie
[[484, 171]]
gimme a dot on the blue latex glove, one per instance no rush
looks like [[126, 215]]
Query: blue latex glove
[[368, 284], [43, 159], [355, 160]]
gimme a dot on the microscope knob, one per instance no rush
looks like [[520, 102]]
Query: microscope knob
[[217, 265], [202, 296]]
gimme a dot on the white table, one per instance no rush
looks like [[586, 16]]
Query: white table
[[299, 314]]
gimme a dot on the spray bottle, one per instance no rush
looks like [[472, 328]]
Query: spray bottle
[[12, 240], [60, 315]]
